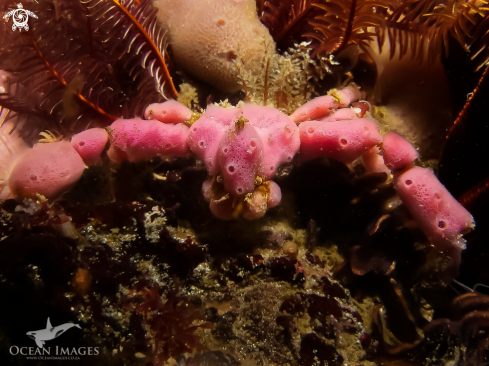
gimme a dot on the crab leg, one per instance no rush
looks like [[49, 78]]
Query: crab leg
[[51, 169], [442, 219]]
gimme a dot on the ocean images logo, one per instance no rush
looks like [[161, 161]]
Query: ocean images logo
[[20, 16], [50, 333], [60, 353]]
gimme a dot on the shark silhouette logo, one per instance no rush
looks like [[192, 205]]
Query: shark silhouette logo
[[20, 16], [50, 333]]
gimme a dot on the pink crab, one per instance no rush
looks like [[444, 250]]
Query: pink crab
[[242, 147]]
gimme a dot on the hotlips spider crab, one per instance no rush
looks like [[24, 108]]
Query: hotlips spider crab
[[243, 146]]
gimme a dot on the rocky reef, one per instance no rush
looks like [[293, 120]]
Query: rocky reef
[[160, 280]]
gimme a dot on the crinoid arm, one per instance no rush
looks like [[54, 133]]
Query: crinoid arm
[[421, 28], [70, 74], [132, 28]]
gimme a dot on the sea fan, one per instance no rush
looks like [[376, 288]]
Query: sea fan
[[64, 70]]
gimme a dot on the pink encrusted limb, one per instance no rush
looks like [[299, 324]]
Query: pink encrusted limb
[[321, 107], [90, 144], [263, 197], [397, 151], [255, 206], [439, 215], [47, 169], [343, 140], [374, 162], [221, 204], [346, 96], [52, 169], [275, 195], [170, 111], [251, 206], [315, 109], [223, 210], [342, 114], [138, 140]]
